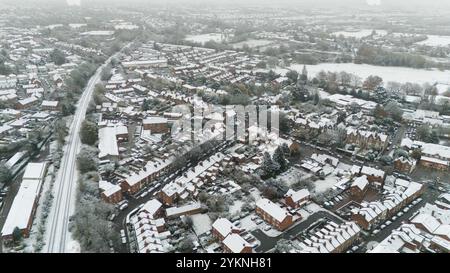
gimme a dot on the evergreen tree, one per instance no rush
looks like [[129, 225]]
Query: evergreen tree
[[278, 158], [269, 167], [285, 149], [17, 235], [304, 76], [89, 133]]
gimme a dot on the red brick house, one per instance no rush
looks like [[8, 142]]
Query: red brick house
[[359, 186], [296, 199], [156, 125], [234, 243], [276, 216], [222, 227]]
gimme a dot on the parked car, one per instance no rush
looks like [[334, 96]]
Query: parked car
[[144, 194], [123, 206], [112, 217]]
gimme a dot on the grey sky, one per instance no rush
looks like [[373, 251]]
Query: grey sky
[[385, 4]]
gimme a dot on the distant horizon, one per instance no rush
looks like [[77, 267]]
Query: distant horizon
[[376, 4]]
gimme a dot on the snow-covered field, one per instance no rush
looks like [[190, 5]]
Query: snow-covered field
[[321, 186], [252, 43], [203, 38], [360, 34], [388, 73], [201, 223], [436, 40], [255, 193], [293, 175]]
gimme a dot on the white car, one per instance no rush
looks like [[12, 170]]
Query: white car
[[144, 194], [123, 206], [267, 228], [400, 214], [376, 231], [382, 226], [388, 223]]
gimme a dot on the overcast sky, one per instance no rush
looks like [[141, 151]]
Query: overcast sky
[[395, 4]]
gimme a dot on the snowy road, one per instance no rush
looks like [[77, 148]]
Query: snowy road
[[58, 235]]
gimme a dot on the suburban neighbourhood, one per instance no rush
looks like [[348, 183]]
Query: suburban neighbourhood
[[211, 129]]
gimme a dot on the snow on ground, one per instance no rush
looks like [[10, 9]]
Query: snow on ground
[[312, 208], [247, 223], [255, 193], [293, 175], [201, 223], [359, 34], [343, 167], [203, 38], [371, 245], [252, 43], [436, 40], [73, 246], [388, 73], [272, 232], [442, 88], [321, 186], [236, 207]]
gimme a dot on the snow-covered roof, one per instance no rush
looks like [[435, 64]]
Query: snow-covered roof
[[272, 209], [107, 144], [427, 221], [329, 238], [235, 243], [22, 207], [34, 171], [154, 120], [428, 149], [108, 188], [372, 171], [50, 103], [183, 209], [361, 182], [396, 241], [151, 207], [223, 226], [297, 195]]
